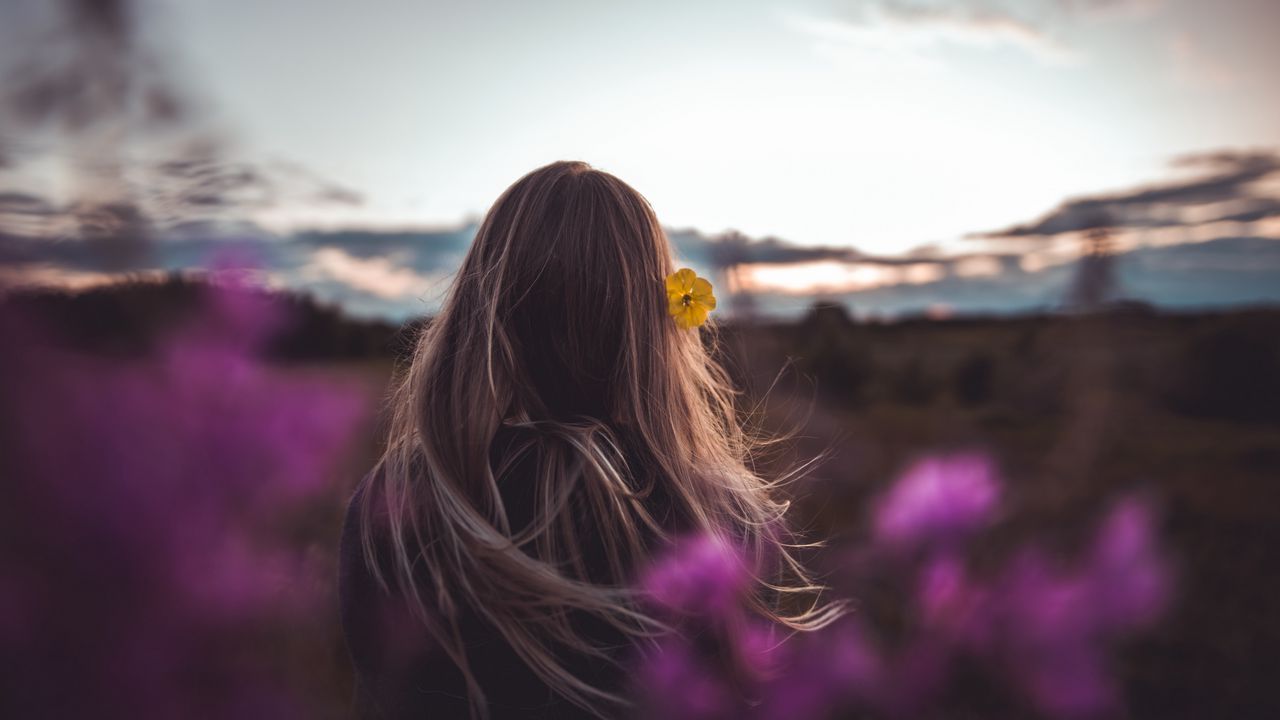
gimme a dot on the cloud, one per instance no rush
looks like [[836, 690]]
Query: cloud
[[1256, 211], [115, 220], [923, 28], [120, 222], [1196, 66], [1218, 177], [338, 195], [90, 83], [20, 203], [312, 186], [1111, 9], [1227, 175], [978, 266], [212, 182], [378, 276], [83, 82], [82, 64], [50, 275], [733, 248], [180, 193], [1224, 272], [425, 251], [975, 25], [390, 274]]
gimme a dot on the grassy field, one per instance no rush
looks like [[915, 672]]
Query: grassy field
[[1183, 410], [1078, 411]]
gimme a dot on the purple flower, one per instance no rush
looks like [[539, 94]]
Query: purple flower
[[821, 672], [1058, 622], [700, 575], [954, 605], [154, 498], [674, 682], [940, 499], [1131, 580]]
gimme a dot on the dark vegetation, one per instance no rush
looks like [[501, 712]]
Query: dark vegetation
[[1184, 409], [128, 319]]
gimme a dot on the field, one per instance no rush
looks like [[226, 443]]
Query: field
[[1182, 411]]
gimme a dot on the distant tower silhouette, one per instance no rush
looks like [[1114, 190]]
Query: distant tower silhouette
[[1094, 285]]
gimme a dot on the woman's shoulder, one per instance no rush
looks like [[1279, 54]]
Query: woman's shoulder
[[365, 560], [351, 554], [358, 586], [400, 670]]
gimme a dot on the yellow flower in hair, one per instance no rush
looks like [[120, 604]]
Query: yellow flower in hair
[[689, 298]]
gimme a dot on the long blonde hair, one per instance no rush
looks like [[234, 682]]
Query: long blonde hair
[[557, 323]]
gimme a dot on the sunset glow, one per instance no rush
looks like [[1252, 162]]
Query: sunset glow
[[832, 276]]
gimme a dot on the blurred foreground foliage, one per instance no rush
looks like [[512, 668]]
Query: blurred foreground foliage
[[1182, 408]]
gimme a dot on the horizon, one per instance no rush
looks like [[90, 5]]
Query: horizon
[[396, 276]]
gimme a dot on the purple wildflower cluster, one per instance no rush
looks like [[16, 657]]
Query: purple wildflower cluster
[[152, 506], [1040, 630]]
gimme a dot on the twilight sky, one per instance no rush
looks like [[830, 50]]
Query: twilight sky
[[882, 125], [932, 128]]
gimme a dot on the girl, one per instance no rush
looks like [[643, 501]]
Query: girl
[[561, 422]]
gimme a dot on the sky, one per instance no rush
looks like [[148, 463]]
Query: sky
[[879, 125], [961, 132]]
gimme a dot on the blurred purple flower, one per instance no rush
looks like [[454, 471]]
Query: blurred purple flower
[[701, 575], [941, 499], [1130, 578], [1044, 628], [816, 673], [675, 683], [953, 605], [1058, 623], [149, 501]]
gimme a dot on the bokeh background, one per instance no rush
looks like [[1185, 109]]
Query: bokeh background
[[1037, 238]]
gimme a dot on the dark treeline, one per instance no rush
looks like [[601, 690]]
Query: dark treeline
[[128, 318], [1223, 364]]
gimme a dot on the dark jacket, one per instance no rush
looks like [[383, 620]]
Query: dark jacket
[[400, 670]]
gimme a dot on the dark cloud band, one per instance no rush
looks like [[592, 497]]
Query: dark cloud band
[[1223, 176]]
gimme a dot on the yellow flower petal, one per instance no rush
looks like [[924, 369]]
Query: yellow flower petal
[[700, 287], [683, 319], [681, 281], [702, 293], [698, 314]]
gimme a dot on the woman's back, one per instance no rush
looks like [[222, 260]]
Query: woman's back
[[402, 671]]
